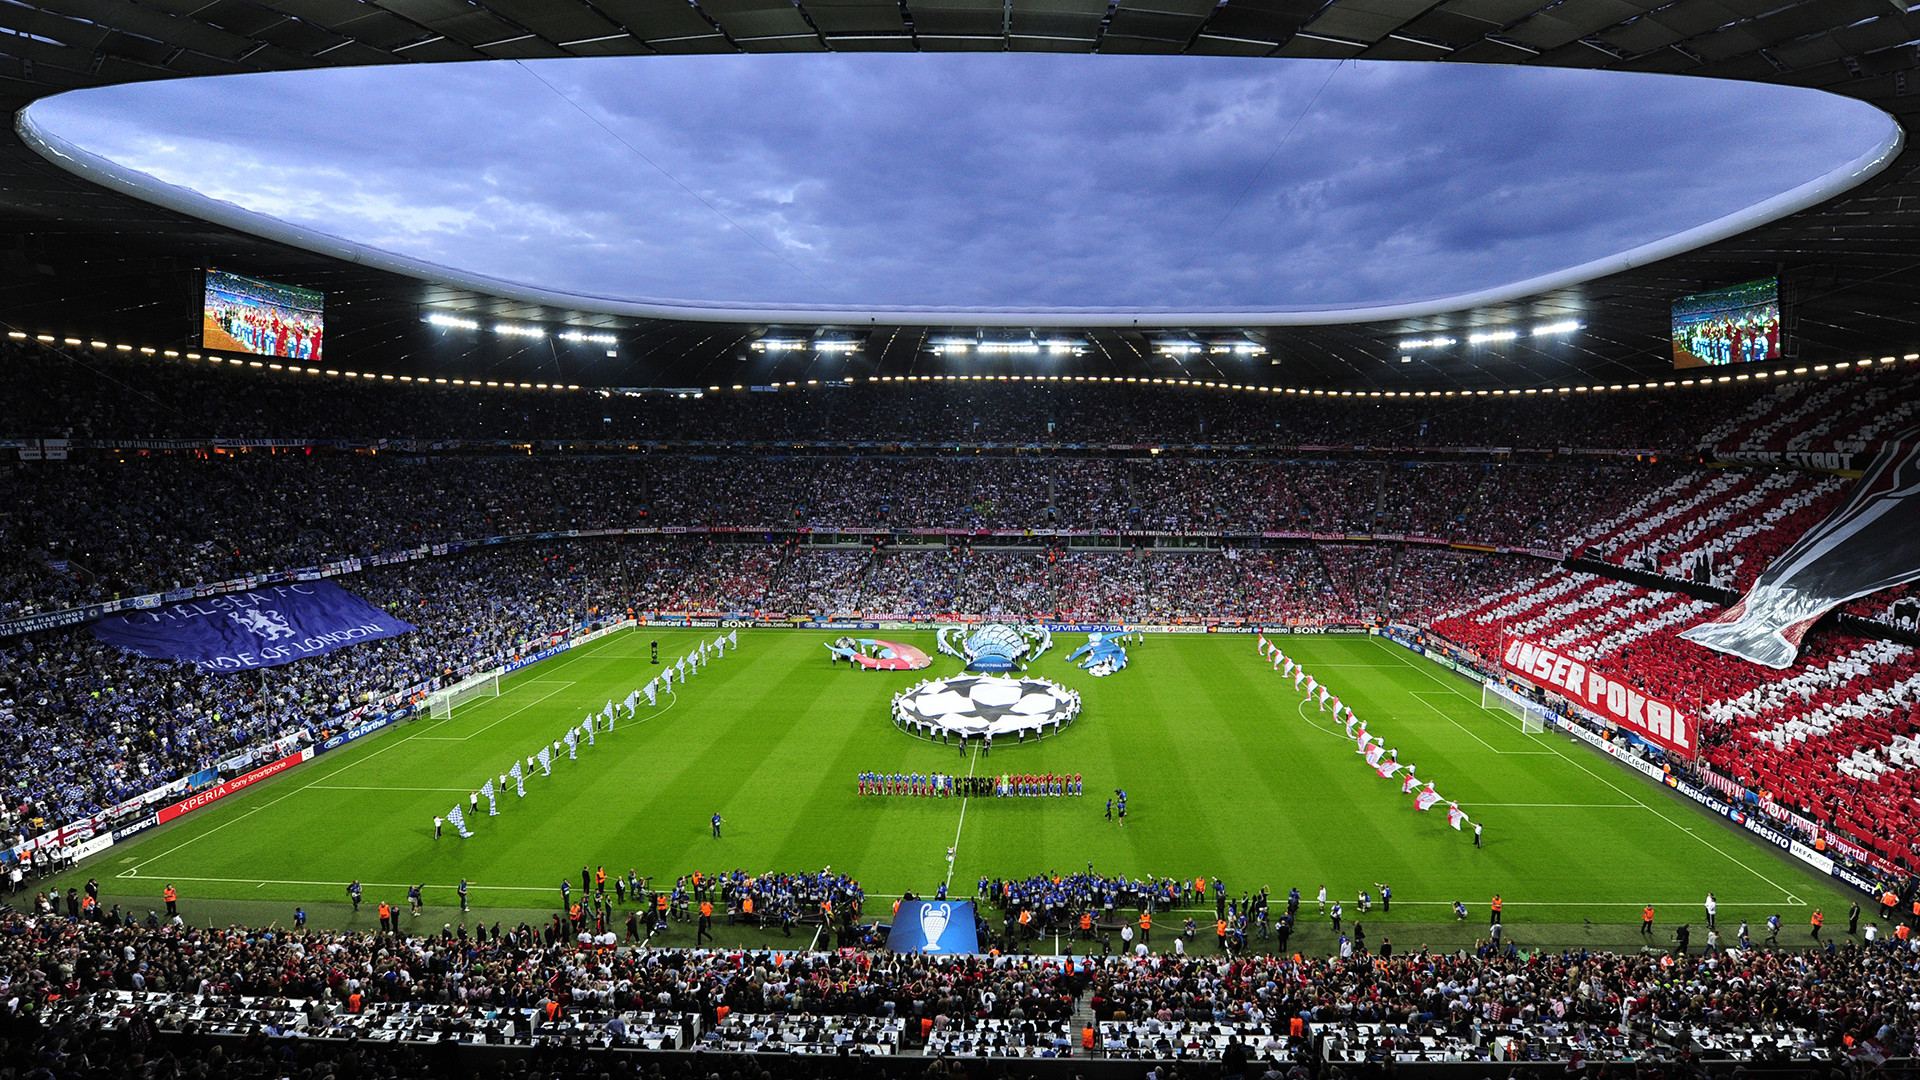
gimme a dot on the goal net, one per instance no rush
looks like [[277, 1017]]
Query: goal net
[[1496, 697], [442, 703]]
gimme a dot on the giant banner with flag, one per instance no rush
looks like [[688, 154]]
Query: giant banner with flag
[[1654, 720], [1871, 542], [262, 628]]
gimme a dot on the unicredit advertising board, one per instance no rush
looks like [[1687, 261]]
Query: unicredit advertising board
[[1654, 720]]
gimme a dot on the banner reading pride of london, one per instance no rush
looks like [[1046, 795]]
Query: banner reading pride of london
[[242, 631], [1872, 542]]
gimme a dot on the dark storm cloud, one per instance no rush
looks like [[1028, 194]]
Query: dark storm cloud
[[998, 181]]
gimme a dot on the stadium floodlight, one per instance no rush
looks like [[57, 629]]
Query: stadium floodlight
[[1485, 337], [597, 339], [837, 346], [1550, 329], [1008, 348], [1179, 348], [779, 345], [1410, 344], [520, 330], [1062, 348], [452, 322]]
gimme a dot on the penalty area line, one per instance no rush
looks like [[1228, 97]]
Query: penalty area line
[[260, 883], [471, 734], [1554, 748]]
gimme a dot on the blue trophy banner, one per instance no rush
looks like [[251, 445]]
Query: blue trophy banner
[[242, 631], [934, 927]]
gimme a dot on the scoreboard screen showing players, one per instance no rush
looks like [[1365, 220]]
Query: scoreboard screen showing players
[[264, 318], [1739, 324]]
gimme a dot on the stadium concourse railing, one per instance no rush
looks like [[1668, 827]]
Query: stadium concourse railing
[[1793, 834]]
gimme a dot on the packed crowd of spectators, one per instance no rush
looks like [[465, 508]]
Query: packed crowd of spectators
[[103, 526], [89, 726], [1833, 741], [517, 987]]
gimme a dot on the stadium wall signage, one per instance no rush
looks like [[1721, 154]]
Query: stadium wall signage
[[360, 730], [140, 826], [1403, 638], [238, 783], [1652, 719], [1598, 742], [1835, 461]]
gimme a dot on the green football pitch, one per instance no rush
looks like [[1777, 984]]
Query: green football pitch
[[1229, 774]]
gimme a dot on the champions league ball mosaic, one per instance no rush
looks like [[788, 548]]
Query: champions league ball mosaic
[[973, 705]]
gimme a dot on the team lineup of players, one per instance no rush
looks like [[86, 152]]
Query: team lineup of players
[[269, 330], [941, 785], [1746, 339]]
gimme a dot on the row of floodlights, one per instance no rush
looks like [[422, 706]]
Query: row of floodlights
[[963, 346], [1218, 348], [1488, 337], [520, 330], [1778, 373], [819, 345], [1530, 392]]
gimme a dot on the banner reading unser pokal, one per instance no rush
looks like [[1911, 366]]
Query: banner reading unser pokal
[[261, 628], [1654, 720]]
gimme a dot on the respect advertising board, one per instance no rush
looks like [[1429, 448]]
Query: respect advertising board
[[1652, 719]]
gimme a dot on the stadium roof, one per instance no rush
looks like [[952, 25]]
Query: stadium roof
[[86, 260]]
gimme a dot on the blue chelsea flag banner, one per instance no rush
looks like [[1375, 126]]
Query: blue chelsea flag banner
[[242, 631], [939, 927]]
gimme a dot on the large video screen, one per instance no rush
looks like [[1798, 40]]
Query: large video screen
[[264, 318], [1739, 324]]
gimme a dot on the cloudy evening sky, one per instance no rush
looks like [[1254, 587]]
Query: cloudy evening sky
[[985, 181]]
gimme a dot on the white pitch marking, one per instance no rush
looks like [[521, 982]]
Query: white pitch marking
[[381, 787], [134, 871], [496, 723], [1650, 808], [964, 799], [1444, 715]]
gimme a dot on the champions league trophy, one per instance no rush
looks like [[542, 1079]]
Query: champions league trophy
[[933, 923]]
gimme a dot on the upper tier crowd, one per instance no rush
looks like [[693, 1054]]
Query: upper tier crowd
[[56, 392], [87, 530]]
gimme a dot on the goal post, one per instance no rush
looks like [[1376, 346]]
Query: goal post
[[1496, 697], [441, 704]]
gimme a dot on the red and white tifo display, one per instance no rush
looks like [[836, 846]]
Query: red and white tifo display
[[1601, 694]]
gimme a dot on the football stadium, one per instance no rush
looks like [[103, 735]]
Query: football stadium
[[1298, 539]]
